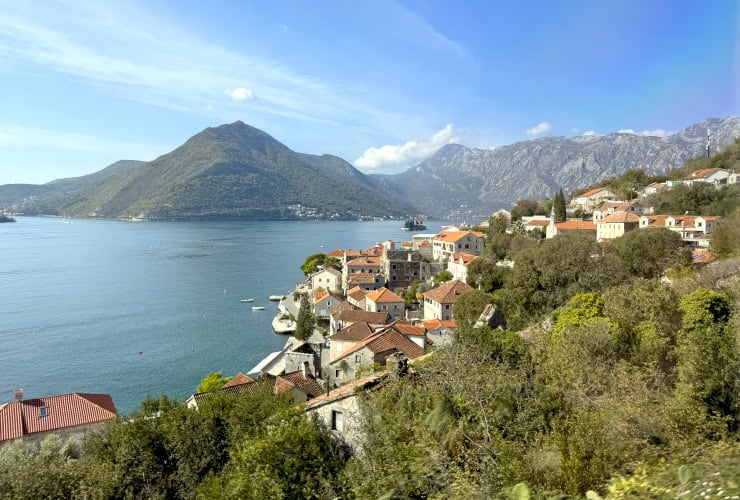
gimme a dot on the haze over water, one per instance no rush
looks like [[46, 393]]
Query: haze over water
[[79, 301]]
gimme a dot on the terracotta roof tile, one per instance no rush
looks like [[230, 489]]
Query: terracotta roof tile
[[590, 193], [354, 332], [621, 217], [307, 384], [238, 379], [538, 223], [354, 315], [700, 174], [383, 295], [448, 293], [455, 236], [466, 258], [383, 341], [20, 418], [356, 293], [342, 306], [576, 225]]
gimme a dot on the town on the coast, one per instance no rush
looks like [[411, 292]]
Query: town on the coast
[[364, 322], [364, 315]]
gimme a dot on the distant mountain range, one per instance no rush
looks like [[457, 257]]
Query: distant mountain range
[[231, 171], [238, 171], [463, 183]]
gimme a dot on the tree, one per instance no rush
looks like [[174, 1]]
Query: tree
[[523, 208], [443, 277], [726, 238], [305, 322], [559, 205], [212, 382], [315, 261], [469, 306], [485, 275], [497, 224], [647, 253]]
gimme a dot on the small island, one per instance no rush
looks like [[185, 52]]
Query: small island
[[6, 218]]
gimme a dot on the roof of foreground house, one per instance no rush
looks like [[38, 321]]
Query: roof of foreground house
[[354, 332], [383, 341], [238, 379], [21, 418], [377, 318]]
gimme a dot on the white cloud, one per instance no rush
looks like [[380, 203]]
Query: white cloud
[[590, 133], [240, 94], [407, 153], [626, 131], [658, 132], [538, 129]]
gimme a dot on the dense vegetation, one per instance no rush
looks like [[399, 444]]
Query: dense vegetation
[[618, 377]]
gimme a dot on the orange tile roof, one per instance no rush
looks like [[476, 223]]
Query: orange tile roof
[[20, 418], [367, 260], [360, 278], [383, 295], [466, 258], [339, 253], [538, 223], [345, 390], [433, 324], [621, 217], [238, 379], [354, 332], [424, 243], [448, 293], [356, 293], [455, 236], [404, 327], [590, 193], [700, 174], [385, 340], [656, 220], [576, 225], [319, 296]]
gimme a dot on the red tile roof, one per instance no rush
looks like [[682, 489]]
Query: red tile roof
[[538, 223], [448, 293], [590, 193], [433, 324], [342, 306], [466, 258], [455, 236], [576, 225], [238, 379], [405, 328], [21, 418], [700, 174], [383, 341], [364, 261], [621, 217], [360, 278], [354, 332], [307, 384], [356, 293], [383, 295]]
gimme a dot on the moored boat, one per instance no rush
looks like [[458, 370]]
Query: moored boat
[[257, 308], [276, 297], [246, 300]]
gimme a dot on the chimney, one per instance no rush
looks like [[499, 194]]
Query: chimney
[[18, 394]]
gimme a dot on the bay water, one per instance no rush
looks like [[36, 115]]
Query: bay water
[[137, 308]]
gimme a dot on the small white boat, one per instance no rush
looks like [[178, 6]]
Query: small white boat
[[276, 297], [257, 308], [246, 300]]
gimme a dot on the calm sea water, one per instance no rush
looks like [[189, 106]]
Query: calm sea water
[[80, 301]]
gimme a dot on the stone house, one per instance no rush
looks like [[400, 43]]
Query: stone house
[[458, 265], [345, 318], [401, 268], [360, 265], [450, 242], [714, 176], [440, 332], [384, 301], [74, 415], [591, 199], [376, 348], [615, 225], [694, 229], [356, 296], [323, 302], [608, 208], [366, 281], [439, 302], [328, 278]]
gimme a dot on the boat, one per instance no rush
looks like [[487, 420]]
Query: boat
[[246, 300], [257, 308], [276, 297], [414, 225]]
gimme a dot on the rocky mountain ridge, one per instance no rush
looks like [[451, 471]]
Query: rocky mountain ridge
[[463, 183]]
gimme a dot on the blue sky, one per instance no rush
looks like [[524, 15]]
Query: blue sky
[[382, 84]]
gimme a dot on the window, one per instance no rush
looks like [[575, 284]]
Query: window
[[339, 374], [447, 306], [337, 421], [358, 358], [43, 412]]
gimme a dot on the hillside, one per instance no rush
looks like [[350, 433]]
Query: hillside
[[230, 171], [476, 182]]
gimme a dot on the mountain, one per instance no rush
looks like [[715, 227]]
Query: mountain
[[462, 183], [233, 171]]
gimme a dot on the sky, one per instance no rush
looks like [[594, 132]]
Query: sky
[[382, 83]]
